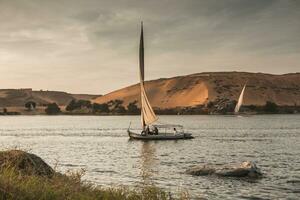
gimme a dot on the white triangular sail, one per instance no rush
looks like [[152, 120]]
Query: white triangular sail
[[240, 101], [147, 114], [31, 107]]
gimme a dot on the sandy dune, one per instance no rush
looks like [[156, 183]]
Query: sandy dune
[[163, 93], [181, 91], [198, 89]]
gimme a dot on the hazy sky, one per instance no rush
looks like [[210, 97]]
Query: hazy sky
[[91, 46]]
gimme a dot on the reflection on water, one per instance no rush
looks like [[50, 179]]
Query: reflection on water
[[148, 163], [100, 145]]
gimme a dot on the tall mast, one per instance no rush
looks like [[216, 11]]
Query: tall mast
[[147, 114], [142, 73]]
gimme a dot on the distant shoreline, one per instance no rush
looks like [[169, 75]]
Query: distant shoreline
[[89, 114], [115, 108]]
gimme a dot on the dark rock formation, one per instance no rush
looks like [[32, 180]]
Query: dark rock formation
[[25, 163], [245, 169], [222, 106]]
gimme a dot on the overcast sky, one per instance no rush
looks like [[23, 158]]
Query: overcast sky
[[91, 46]]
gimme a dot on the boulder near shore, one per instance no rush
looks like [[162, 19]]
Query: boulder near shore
[[244, 169], [25, 163]]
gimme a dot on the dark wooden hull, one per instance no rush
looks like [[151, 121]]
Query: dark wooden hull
[[181, 136]]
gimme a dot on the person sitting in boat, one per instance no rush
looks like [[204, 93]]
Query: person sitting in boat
[[143, 132], [155, 130], [175, 131], [148, 130]]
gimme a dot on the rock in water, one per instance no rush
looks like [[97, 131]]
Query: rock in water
[[201, 170], [25, 163], [244, 169]]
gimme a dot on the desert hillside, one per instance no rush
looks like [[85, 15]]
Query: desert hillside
[[199, 89], [18, 97]]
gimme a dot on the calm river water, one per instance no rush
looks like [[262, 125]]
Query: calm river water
[[100, 145]]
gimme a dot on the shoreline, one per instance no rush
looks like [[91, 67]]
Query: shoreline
[[35, 179], [88, 114], [92, 110]]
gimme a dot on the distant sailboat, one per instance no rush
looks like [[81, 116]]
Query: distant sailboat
[[240, 101], [148, 117], [31, 107]]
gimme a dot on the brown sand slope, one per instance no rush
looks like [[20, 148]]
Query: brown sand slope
[[18, 97], [197, 89]]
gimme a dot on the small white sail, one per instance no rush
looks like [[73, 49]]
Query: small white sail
[[31, 107], [240, 101], [147, 114]]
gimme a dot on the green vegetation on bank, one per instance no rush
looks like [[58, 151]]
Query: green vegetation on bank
[[111, 107], [52, 109], [16, 187], [24, 176], [116, 107], [219, 106]]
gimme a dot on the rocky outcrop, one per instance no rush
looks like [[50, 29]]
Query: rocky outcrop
[[25, 163], [222, 105], [244, 169]]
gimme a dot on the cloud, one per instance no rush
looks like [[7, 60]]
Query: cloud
[[92, 45]]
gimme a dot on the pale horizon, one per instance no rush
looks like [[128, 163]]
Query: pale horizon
[[92, 46]]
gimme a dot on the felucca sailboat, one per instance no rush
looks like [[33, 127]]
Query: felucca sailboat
[[151, 131], [240, 101]]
